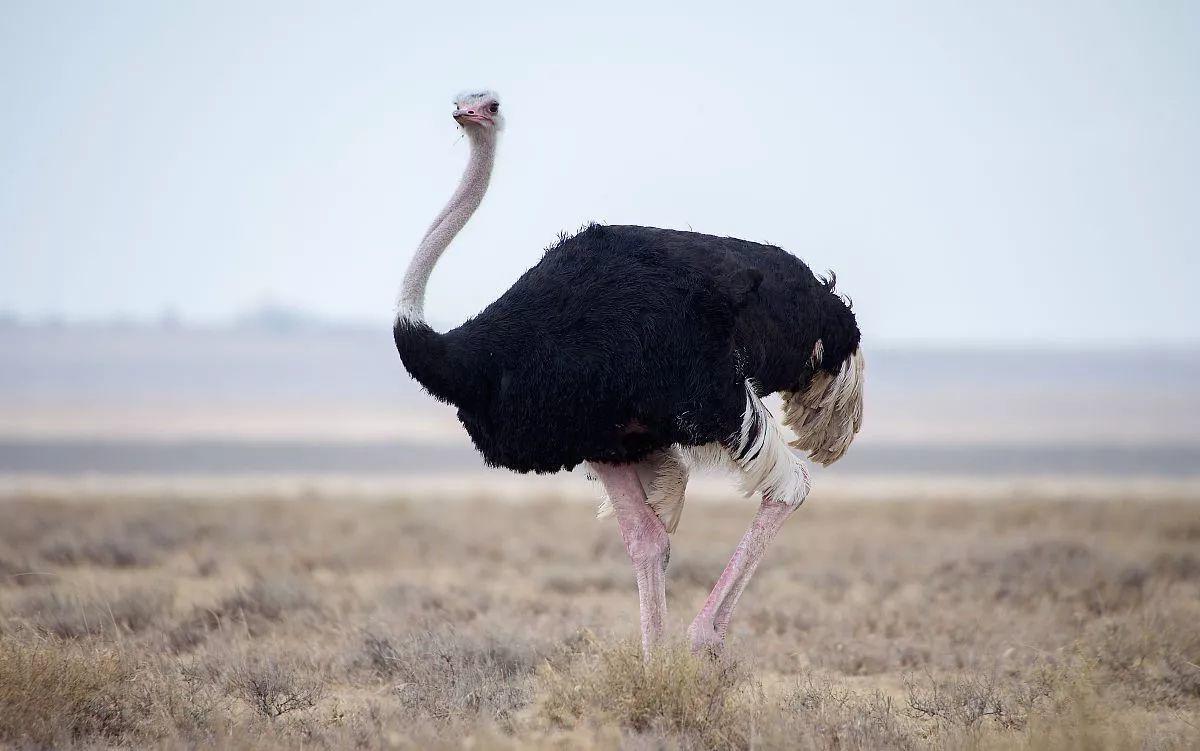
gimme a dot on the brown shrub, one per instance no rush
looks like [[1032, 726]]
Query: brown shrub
[[820, 714], [966, 701], [1177, 566], [575, 580], [255, 607], [109, 552], [448, 604], [446, 673], [274, 687], [1053, 571]]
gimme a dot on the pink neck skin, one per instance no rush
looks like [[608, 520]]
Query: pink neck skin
[[467, 197]]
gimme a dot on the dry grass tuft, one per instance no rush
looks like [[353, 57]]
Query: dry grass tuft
[[73, 615], [1155, 656], [705, 703], [53, 693]]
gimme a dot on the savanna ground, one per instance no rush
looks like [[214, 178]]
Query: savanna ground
[[314, 623]]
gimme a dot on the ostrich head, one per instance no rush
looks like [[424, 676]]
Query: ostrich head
[[478, 112]]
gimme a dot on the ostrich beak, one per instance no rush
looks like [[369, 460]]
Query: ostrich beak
[[466, 116]]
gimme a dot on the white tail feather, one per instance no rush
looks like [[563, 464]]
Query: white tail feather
[[826, 416], [766, 462]]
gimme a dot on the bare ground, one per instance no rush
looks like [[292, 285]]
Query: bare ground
[[319, 623]]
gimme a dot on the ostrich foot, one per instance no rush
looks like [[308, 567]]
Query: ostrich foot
[[707, 632]]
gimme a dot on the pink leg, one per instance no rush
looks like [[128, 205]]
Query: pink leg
[[646, 542], [707, 631]]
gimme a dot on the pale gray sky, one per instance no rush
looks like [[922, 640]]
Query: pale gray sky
[[976, 172]]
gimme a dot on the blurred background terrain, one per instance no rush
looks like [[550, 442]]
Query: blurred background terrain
[[279, 392]]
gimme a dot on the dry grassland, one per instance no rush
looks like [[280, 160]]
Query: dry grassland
[[316, 623]]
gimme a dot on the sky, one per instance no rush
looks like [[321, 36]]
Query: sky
[[977, 173]]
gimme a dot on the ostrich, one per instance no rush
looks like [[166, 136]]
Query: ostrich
[[643, 352]]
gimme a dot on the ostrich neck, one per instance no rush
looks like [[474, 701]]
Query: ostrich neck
[[467, 197]]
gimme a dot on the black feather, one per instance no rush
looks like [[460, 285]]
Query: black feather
[[624, 340]]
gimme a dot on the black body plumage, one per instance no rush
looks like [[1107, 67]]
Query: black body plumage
[[623, 340]]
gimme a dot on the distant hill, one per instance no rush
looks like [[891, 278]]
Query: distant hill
[[302, 371], [271, 356]]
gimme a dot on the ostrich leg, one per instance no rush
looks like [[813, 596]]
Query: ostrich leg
[[707, 632], [769, 465], [645, 540]]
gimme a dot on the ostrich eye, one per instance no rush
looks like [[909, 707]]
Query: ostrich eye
[[494, 108]]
